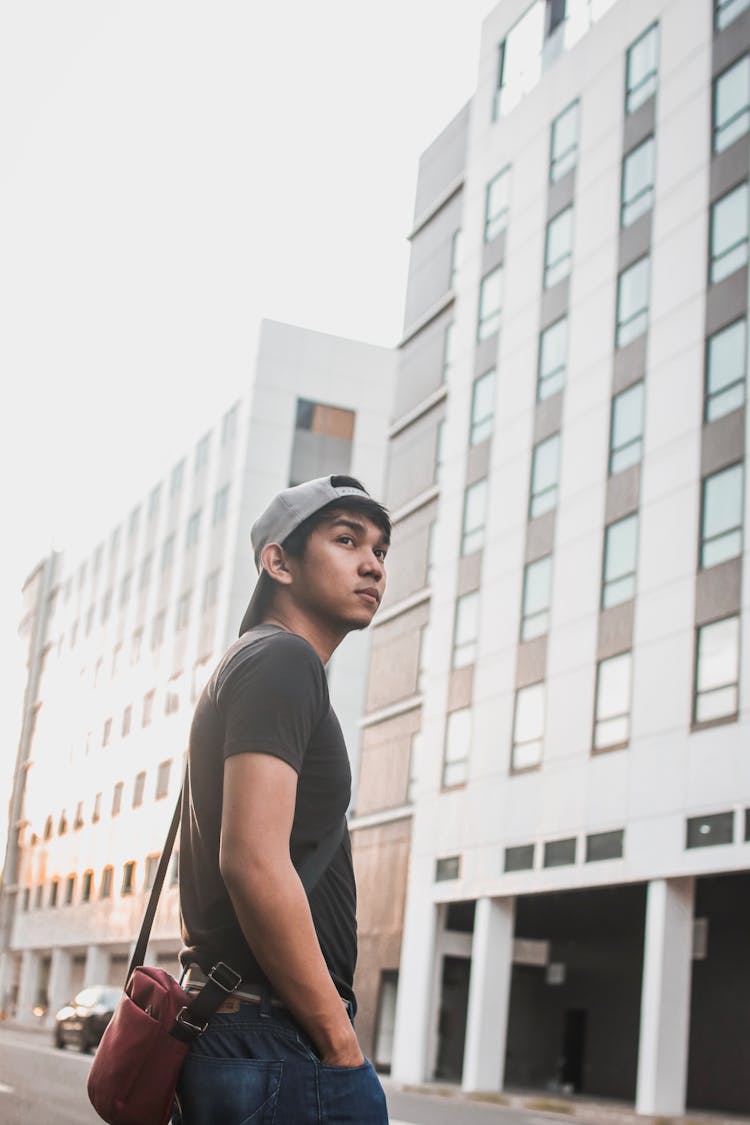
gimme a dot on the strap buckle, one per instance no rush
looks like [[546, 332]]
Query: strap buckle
[[195, 1028], [225, 978]]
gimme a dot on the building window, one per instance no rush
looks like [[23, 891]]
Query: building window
[[107, 731], [221, 503], [520, 59], [54, 890], [125, 586], [78, 820], [193, 529], [127, 719], [726, 369], [457, 746], [637, 191], [707, 831], [167, 552], [721, 516], [482, 408], [465, 630], [447, 868], [148, 708], [128, 878], [558, 249], [456, 247], [448, 345], [612, 716], [564, 143], [62, 826], [537, 585], [135, 646], [732, 104], [604, 845], [162, 779], [553, 347], [642, 69], [106, 888], [172, 695], [519, 858], [475, 505], [202, 450], [439, 450], [632, 302], [729, 233], [560, 853], [138, 788], [106, 605], [153, 501], [175, 481], [133, 522], [229, 425], [620, 561], [497, 204], [87, 886], [152, 866], [157, 630], [211, 589], [145, 574], [48, 828], [528, 727], [70, 889], [717, 670], [38, 893], [626, 430], [544, 476], [183, 611], [26, 899], [117, 799], [490, 303], [727, 11], [96, 814]]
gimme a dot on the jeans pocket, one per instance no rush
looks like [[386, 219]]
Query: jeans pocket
[[216, 1091], [351, 1095]]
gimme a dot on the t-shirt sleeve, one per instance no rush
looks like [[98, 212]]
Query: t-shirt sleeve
[[272, 699]]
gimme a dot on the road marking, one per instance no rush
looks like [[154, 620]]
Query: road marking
[[8, 1039]]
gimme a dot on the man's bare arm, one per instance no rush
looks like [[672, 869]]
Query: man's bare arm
[[270, 901]]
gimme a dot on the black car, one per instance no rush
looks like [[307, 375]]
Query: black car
[[83, 1020]]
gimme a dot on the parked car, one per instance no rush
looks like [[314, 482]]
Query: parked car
[[83, 1020]]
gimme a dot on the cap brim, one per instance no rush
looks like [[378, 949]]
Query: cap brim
[[257, 603]]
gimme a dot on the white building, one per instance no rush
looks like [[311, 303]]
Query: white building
[[120, 643], [556, 755]]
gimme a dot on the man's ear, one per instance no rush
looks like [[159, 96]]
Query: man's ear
[[274, 562]]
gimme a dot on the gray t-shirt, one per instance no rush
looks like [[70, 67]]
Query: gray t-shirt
[[268, 695]]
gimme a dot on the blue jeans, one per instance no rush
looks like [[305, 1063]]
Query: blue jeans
[[257, 1067]]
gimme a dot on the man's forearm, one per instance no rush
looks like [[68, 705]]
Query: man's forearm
[[273, 911]]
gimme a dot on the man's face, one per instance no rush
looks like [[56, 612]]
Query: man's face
[[341, 576]]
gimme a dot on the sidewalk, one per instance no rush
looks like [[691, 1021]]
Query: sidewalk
[[576, 1107]]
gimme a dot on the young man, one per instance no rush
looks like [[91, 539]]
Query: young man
[[267, 787]]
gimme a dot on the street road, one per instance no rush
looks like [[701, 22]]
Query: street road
[[40, 1085]]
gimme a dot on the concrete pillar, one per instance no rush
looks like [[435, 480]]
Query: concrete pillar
[[97, 965], [665, 998], [59, 981], [489, 994], [414, 1001], [27, 988]]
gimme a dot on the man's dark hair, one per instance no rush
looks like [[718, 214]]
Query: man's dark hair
[[296, 541]]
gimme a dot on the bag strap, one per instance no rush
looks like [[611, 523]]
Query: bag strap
[[309, 872]]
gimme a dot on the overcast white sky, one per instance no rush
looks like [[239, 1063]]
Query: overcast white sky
[[170, 173]]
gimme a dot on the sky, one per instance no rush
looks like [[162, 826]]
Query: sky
[[170, 174]]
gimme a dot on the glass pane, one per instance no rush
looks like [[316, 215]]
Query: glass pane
[[553, 344], [527, 754], [611, 732], [627, 428], [729, 220], [467, 619], [474, 509], [482, 407], [544, 475], [727, 351], [722, 502], [613, 687], [731, 99], [489, 303], [716, 704], [728, 10], [529, 718], [564, 142], [522, 57], [559, 245], [718, 654], [536, 586], [534, 625], [618, 591], [637, 182], [725, 402], [641, 69], [454, 773], [498, 193], [620, 549], [632, 291]]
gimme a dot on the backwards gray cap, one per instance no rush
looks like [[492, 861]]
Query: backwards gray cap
[[285, 513]]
